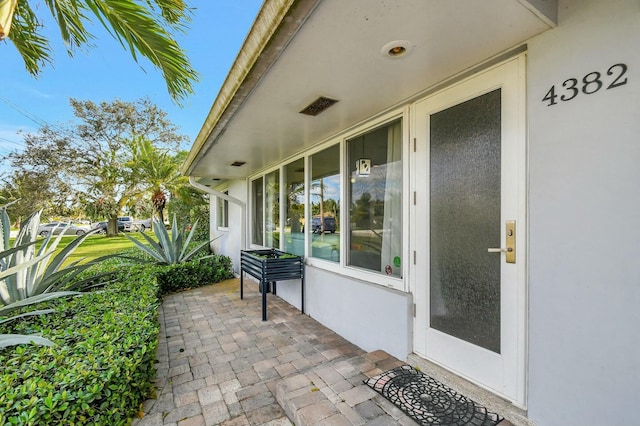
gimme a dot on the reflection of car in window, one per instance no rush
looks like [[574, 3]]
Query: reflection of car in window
[[329, 225]]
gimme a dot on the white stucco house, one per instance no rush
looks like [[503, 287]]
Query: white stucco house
[[462, 178]]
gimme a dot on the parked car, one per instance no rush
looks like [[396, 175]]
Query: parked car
[[130, 224], [329, 225], [58, 227], [102, 226]]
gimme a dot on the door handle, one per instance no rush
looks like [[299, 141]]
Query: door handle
[[510, 240]]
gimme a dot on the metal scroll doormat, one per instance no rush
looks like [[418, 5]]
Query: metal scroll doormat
[[428, 401]]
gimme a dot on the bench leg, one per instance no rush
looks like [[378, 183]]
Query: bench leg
[[302, 291], [241, 285], [264, 301]]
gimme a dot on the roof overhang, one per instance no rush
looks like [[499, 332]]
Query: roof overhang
[[298, 51]]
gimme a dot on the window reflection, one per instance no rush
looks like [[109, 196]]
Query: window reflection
[[375, 197], [325, 204], [258, 211], [272, 210], [293, 229]]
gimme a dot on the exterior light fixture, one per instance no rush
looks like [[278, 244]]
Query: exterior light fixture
[[397, 49]]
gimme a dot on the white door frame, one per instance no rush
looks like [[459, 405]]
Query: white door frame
[[508, 379]]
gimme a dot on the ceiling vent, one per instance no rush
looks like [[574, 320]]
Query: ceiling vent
[[238, 163], [317, 106]]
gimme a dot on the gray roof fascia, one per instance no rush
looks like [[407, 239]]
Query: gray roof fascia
[[275, 26]]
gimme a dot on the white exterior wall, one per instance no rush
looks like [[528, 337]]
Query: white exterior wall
[[584, 204], [368, 315], [583, 351], [229, 241]]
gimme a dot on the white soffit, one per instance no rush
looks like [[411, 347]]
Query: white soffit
[[337, 53]]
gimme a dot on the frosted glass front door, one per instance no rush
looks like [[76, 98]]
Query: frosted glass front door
[[465, 220], [470, 181]]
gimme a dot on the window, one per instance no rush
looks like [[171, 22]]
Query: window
[[375, 200], [257, 237], [297, 207], [272, 209], [324, 201], [223, 212], [294, 186]]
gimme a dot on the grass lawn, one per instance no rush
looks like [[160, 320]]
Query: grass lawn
[[98, 245]]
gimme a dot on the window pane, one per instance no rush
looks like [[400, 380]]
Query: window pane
[[258, 210], [325, 203], [272, 209], [375, 196], [465, 220], [293, 230], [223, 212]]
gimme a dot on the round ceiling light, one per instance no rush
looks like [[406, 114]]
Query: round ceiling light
[[397, 49]]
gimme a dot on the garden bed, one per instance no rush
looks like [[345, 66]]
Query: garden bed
[[102, 365]]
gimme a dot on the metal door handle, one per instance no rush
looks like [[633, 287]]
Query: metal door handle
[[510, 237], [500, 250]]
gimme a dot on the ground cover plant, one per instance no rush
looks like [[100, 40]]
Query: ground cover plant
[[101, 366], [33, 271]]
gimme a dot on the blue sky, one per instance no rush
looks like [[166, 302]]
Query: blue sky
[[106, 72]]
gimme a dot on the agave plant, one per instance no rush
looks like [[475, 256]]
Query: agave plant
[[169, 249], [29, 275]]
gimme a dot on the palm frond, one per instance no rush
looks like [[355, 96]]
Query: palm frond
[[25, 35], [69, 16], [140, 32]]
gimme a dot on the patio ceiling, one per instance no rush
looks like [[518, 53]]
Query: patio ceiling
[[298, 51]]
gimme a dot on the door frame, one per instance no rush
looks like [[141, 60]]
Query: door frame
[[514, 372]]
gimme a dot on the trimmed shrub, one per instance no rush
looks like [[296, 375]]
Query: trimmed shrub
[[197, 273], [102, 364], [201, 214]]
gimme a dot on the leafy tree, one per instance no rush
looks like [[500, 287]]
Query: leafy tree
[[39, 177], [90, 161], [143, 28]]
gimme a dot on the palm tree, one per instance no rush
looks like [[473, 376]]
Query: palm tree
[[157, 171], [141, 27]]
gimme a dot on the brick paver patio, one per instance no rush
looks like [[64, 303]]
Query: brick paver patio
[[220, 364]]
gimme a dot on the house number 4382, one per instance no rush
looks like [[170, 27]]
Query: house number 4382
[[589, 84]]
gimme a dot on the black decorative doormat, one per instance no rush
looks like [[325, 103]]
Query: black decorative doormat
[[428, 401]]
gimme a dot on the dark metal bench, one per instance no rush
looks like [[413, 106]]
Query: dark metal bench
[[269, 266]]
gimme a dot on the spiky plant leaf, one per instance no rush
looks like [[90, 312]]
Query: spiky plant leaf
[[7, 309], [22, 339], [28, 314], [169, 249]]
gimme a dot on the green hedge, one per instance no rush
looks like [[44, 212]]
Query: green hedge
[[197, 273], [101, 367]]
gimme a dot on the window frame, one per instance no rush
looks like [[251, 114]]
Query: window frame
[[341, 267], [222, 212]]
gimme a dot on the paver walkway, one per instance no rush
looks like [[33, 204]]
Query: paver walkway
[[220, 364]]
